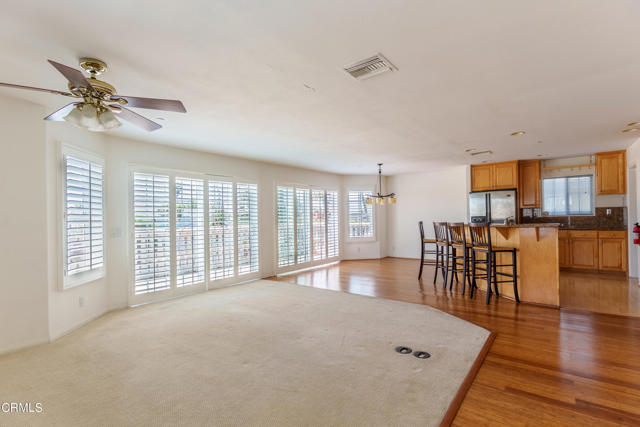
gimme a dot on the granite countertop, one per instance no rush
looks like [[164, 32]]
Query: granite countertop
[[533, 225]]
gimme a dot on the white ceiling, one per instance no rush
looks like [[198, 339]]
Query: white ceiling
[[264, 79]]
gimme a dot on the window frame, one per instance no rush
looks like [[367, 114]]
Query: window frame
[[207, 284], [374, 219], [311, 262], [88, 277], [567, 177]]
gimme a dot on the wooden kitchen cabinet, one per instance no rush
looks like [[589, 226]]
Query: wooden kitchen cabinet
[[494, 176], [584, 249], [482, 177], [612, 254], [564, 253], [529, 183], [611, 172]]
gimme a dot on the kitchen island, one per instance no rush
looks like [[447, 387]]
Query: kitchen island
[[537, 261]]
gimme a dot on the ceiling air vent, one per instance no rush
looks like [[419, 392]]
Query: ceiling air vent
[[370, 67]]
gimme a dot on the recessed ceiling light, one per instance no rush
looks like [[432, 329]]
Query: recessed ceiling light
[[518, 132], [539, 142], [633, 124], [629, 130], [541, 155], [160, 118], [469, 150], [485, 161]]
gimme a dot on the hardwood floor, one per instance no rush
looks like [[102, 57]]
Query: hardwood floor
[[612, 293], [547, 366]]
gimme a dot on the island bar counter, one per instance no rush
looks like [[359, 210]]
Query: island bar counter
[[537, 262]]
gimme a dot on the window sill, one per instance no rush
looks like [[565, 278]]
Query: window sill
[[83, 279]]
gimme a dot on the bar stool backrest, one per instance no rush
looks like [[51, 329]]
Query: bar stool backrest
[[456, 233], [480, 234], [440, 228], [421, 231]]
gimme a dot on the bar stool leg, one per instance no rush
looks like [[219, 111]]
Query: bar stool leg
[[465, 261], [495, 273], [454, 268], [489, 275], [437, 264], [473, 273], [445, 267], [421, 261], [515, 276]]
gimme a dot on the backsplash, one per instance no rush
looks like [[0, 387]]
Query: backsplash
[[617, 220]]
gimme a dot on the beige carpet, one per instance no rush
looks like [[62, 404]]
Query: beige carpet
[[264, 353]]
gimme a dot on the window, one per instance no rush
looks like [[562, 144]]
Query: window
[[286, 226], [333, 229], [572, 195], [189, 231], [247, 217], [360, 214], [303, 225], [221, 238], [318, 222], [152, 236], [83, 221]]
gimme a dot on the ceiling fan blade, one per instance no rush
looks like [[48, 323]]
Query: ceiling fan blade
[[152, 103], [136, 119], [58, 115], [75, 77], [56, 92]]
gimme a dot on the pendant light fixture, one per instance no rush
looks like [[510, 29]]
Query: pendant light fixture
[[380, 198]]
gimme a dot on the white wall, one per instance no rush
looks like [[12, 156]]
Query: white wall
[[23, 227], [65, 311], [428, 197]]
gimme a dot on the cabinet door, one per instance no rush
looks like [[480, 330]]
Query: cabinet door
[[612, 253], [505, 175], [611, 172], [584, 252], [564, 249], [481, 177], [529, 183]]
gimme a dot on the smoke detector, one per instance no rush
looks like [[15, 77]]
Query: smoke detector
[[370, 67]]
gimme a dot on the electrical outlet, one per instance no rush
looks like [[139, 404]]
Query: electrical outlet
[[81, 302], [608, 212]]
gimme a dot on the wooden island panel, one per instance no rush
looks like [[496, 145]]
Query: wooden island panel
[[537, 263]]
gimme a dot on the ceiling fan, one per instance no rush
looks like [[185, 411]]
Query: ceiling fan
[[98, 107]]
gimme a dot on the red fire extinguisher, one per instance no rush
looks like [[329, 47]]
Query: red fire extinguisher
[[636, 234]]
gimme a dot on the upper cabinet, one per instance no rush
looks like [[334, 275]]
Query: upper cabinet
[[529, 183], [494, 176], [611, 172]]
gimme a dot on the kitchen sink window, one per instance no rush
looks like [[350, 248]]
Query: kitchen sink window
[[568, 195]]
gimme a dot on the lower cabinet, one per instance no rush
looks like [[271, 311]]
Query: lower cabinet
[[584, 249], [612, 253], [593, 250]]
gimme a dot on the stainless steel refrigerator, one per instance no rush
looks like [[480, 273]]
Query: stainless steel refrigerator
[[497, 207]]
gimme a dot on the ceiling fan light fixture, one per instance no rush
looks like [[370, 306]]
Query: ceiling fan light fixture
[[84, 116], [108, 120]]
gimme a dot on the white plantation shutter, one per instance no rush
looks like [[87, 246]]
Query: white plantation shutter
[[286, 226], [83, 216], [319, 224], [189, 231], [303, 225], [221, 238], [247, 225], [333, 230], [152, 237], [360, 214]]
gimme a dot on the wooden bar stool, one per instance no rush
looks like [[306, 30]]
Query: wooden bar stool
[[442, 251], [481, 243], [425, 250], [460, 254]]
